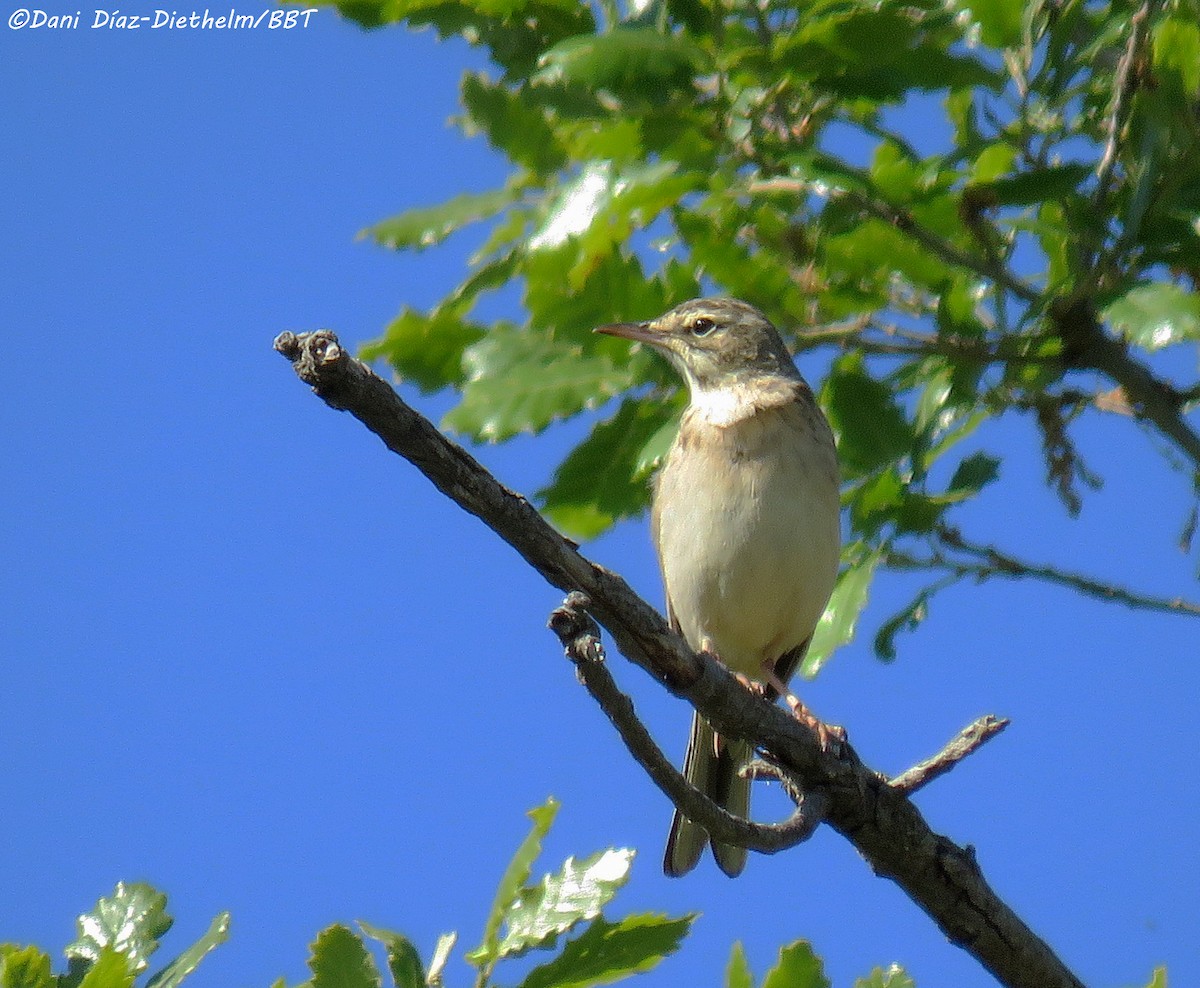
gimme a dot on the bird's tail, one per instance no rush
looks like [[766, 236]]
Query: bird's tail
[[712, 767]]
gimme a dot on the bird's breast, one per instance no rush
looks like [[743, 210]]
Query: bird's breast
[[746, 522]]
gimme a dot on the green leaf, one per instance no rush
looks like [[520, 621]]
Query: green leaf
[[441, 954], [24, 967], [873, 251], [871, 428], [625, 60], [183, 965], [1156, 316], [429, 225], [893, 977], [604, 478], [999, 22], [426, 349], [838, 623], [129, 921], [404, 962], [523, 379], [737, 971], [512, 122], [1158, 979], [1176, 48], [1050, 184], [607, 952], [513, 881], [906, 619], [340, 960], [974, 473], [577, 892], [797, 967], [112, 969]]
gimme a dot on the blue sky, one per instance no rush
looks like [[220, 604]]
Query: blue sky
[[252, 658]]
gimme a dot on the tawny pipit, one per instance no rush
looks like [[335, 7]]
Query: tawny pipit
[[746, 525]]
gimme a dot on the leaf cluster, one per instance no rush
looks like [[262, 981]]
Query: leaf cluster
[[661, 149], [118, 936]]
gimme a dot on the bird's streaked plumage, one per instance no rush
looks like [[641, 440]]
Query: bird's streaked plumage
[[745, 521]]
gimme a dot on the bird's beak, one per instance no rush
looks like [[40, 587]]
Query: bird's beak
[[640, 331]]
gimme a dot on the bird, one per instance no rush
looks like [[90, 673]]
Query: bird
[[746, 523]]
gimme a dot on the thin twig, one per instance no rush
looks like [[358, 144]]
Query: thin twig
[[904, 221], [998, 563], [970, 739], [580, 637]]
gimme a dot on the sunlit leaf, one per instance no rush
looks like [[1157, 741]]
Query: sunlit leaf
[[514, 879], [522, 379], [893, 977], [608, 952], [111, 969], [624, 59], [428, 225], [1176, 47], [129, 921], [426, 349], [838, 623], [737, 970], [797, 967], [512, 122], [187, 962], [1156, 316], [575, 893], [24, 967]]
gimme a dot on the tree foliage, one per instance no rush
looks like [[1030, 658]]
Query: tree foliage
[[1034, 264]]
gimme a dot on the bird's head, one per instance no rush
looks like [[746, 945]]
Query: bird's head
[[715, 343]]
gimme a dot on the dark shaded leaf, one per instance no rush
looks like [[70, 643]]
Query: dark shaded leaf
[[871, 428], [906, 619], [404, 962], [974, 473], [340, 960], [605, 477], [1027, 188]]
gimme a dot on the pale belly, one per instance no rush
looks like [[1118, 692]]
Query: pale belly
[[749, 544]]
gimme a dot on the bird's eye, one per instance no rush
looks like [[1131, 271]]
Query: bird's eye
[[701, 326]]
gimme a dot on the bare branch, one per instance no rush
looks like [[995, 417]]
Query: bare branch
[[970, 739], [883, 824], [580, 637]]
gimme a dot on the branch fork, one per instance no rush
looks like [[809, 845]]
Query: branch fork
[[884, 825]]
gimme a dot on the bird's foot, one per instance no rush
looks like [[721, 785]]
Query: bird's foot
[[827, 734]]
